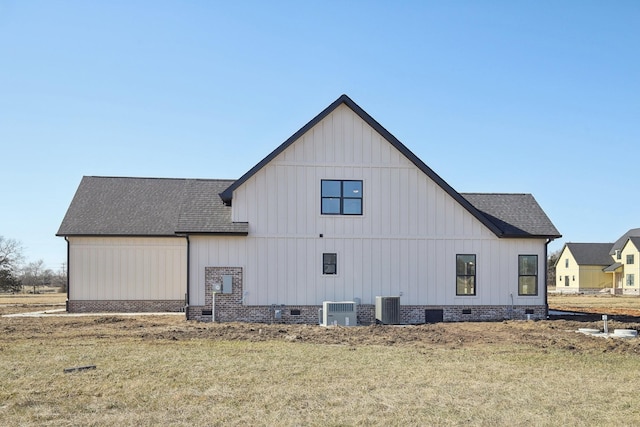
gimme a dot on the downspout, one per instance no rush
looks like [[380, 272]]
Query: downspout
[[188, 300], [68, 273], [546, 273]]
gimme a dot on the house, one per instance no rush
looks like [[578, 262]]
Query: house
[[580, 267], [588, 267], [341, 211], [624, 270]]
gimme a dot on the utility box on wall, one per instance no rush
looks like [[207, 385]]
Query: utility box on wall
[[227, 284]]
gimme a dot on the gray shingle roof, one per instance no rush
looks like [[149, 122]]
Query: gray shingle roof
[[612, 267], [619, 244], [591, 253], [636, 241], [516, 215], [148, 207]]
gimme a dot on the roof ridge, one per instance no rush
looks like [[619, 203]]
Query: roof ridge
[[497, 194], [589, 243], [162, 178]]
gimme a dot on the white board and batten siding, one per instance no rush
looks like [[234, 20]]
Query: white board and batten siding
[[127, 268], [405, 243]]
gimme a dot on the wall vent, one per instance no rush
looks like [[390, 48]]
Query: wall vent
[[388, 310], [343, 313]]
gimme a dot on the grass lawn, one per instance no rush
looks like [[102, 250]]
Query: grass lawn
[[599, 303], [163, 370]]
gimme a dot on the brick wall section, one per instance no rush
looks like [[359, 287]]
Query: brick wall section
[[126, 306], [487, 313], [230, 308]]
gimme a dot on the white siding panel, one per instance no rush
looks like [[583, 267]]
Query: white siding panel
[[104, 268], [405, 241]]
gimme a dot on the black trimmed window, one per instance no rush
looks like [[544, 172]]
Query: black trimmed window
[[330, 263], [465, 274], [630, 279], [528, 275], [630, 259], [341, 197]]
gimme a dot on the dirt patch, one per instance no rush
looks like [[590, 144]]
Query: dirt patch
[[549, 334]]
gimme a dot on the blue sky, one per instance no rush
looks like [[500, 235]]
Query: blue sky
[[498, 96]]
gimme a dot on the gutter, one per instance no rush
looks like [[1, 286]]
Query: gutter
[[546, 274]]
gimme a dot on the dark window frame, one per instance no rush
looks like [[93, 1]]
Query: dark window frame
[[463, 276], [329, 264], [342, 198], [524, 276], [630, 279], [630, 259]]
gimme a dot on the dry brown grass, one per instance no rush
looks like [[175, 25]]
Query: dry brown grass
[[599, 303], [164, 370], [20, 303]]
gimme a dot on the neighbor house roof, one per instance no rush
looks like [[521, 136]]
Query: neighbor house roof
[[501, 214], [612, 267], [516, 215], [591, 253], [636, 241], [619, 244], [148, 207]]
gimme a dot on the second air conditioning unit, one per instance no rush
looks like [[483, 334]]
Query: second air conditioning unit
[[388, 310], [343, 313]]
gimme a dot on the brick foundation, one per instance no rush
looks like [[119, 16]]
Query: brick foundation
[[229, 307], [126, 306]]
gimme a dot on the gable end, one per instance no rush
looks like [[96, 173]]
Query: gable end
[[227, 194]]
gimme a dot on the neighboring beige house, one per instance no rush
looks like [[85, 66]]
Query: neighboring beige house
[[341, 211], [588, 267], [624, 271], [580, 267]]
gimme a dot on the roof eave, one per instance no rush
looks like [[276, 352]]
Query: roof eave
[[532, 236], [214, 233], [113, 235]]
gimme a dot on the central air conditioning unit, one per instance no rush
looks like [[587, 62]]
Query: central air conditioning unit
[[388, 310], [343, 313]]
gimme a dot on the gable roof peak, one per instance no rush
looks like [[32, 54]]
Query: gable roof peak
[[619, 244], [499, 228]]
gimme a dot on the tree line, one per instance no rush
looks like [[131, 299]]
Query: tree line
[[15, 275]]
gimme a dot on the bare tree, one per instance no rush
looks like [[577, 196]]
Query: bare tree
[[10, 254], [59, 279], [10, 259], [551, 268], [34, 274]]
